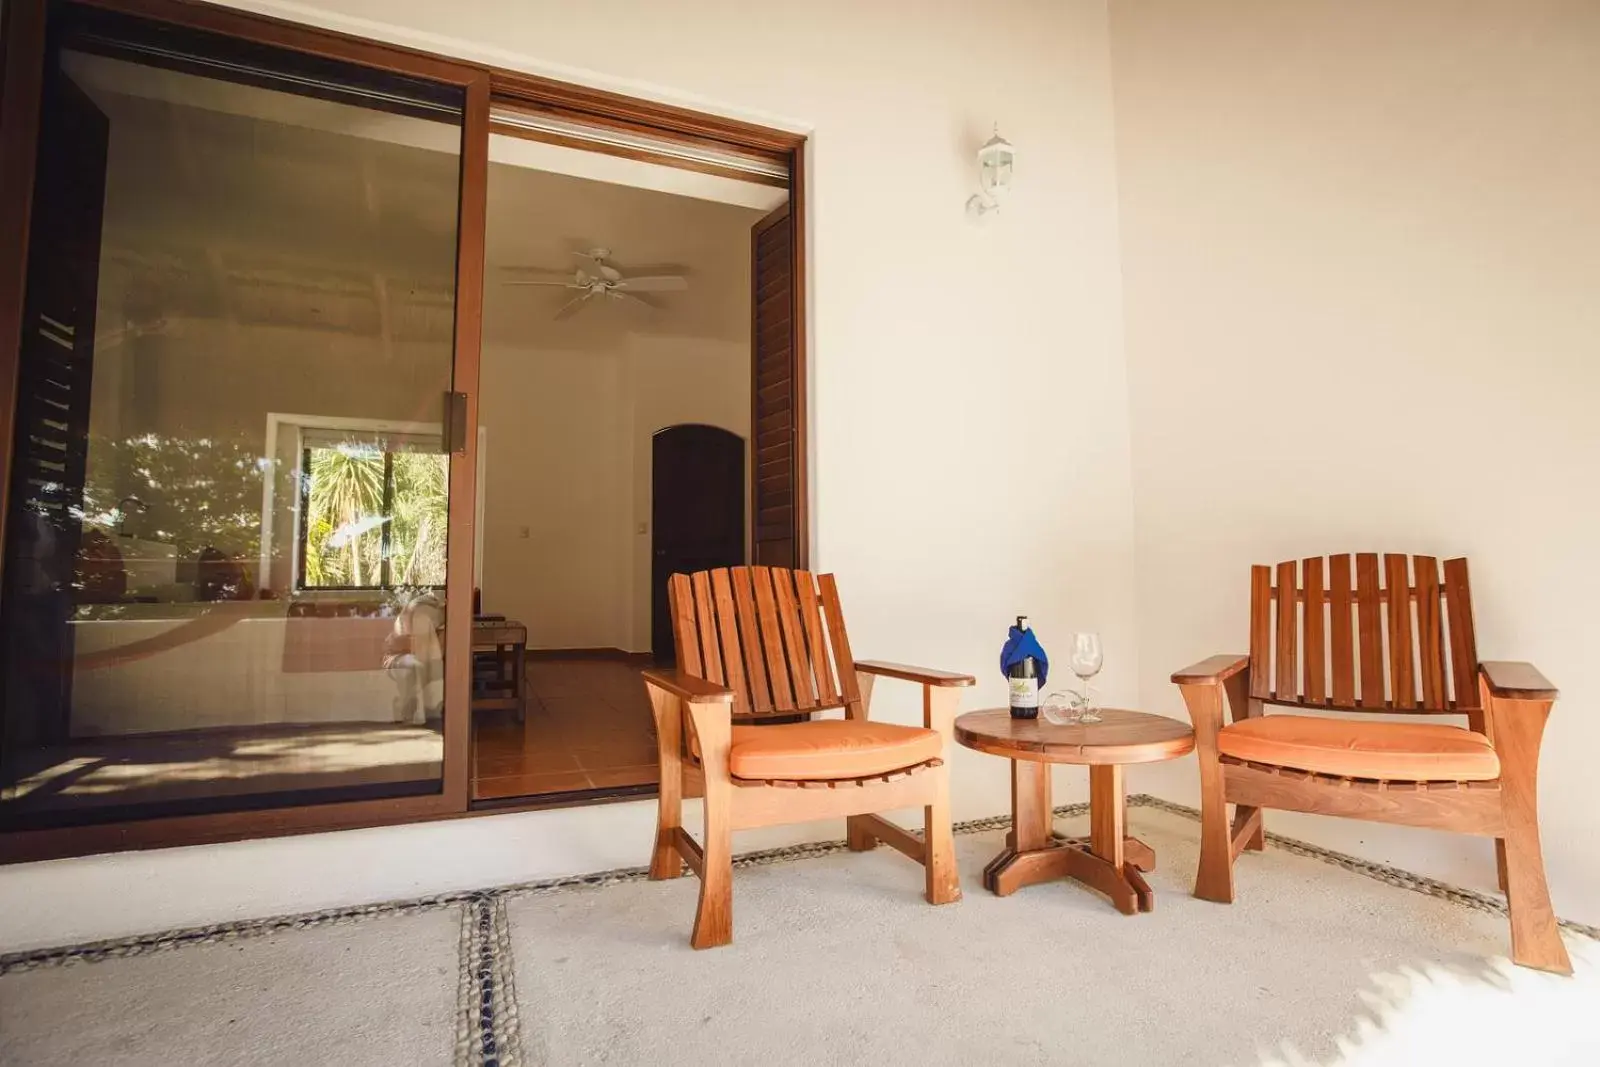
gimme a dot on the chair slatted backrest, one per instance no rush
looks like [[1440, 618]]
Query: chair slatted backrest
[[1371, 637], [774, 636]]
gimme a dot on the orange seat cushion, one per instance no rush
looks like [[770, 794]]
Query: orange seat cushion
[[1398, 751], [829, 748]]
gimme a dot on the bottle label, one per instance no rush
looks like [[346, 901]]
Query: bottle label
[[1024, 692]]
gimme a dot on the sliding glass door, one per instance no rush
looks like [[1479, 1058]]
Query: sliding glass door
[[237, 520]]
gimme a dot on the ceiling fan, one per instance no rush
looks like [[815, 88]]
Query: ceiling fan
[[595, 279]]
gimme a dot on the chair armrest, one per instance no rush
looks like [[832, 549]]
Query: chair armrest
[[688, 687], [920, 675], [1212, 671], [1514, 680]]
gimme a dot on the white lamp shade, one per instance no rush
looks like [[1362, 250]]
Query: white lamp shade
[[995, 161]]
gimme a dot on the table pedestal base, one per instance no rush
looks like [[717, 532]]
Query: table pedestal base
[[1074, 857], [1107, 860]]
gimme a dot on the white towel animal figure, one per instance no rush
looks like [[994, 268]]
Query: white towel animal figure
[[416, 661]]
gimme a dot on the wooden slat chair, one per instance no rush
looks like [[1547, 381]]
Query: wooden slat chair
[[759, 643], [1318, 642]]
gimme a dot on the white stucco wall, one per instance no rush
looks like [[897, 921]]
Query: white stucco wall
[[969, 411], [1358, 247]]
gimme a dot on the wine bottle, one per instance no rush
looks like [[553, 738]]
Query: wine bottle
[[1023, 677]]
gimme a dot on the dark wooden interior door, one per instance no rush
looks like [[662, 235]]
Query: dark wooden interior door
[[50, 447], [696, 513]]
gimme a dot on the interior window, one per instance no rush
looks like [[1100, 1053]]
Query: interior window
[[373, 515]]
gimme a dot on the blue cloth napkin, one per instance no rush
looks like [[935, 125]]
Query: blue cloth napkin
[[1019, 645]]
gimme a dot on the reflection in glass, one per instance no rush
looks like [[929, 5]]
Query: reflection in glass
[[228, 513], [372, 518]]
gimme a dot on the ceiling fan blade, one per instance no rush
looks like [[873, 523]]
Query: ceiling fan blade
[[570, 308], [597, 259], [659, 283], [636, 298]]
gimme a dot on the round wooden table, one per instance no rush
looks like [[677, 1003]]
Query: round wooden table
[[1108, 859]]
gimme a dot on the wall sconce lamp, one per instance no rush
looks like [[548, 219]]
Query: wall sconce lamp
[[995, 160]]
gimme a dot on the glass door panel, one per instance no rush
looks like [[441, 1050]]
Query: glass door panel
[[229, 511]]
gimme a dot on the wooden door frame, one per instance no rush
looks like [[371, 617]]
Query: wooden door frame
[[603, 108], [21, 91], [21, 77]]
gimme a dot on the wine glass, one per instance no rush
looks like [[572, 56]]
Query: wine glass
[[1060, 708], [1086, 662]]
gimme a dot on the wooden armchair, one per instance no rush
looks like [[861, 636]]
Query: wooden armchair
[[751, 647], [1304, 653]]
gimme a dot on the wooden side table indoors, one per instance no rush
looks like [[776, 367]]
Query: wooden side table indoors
[[1108, 860], [505, 643]]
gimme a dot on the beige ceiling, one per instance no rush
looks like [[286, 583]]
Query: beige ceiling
[[211, 215], [224, 214], [538, 219]]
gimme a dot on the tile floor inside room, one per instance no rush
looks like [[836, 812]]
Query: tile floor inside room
[[587, 726]]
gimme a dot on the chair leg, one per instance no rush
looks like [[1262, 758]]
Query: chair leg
[[856, 837], [943, 877], [939, 845], [1517, 728], [665, 862], [664, 859], [1535, 936], [1500, 862], [713, 919], [1214, 880]]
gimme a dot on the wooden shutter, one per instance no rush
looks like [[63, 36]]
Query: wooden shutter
[[51, 427], [774, 438]]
